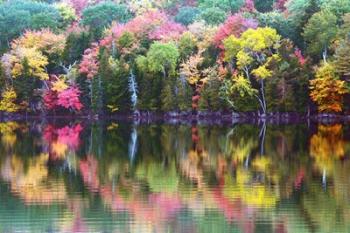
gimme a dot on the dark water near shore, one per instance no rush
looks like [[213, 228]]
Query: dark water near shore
[[120, 177]]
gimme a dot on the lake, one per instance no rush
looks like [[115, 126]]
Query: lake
[[121, 177]]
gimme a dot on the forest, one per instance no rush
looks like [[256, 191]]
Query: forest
[[82, 57]]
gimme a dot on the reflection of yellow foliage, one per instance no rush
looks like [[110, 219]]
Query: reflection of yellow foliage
[[7, 127], [190, 166], [59, 149], [243, 149], [327, 145], [30, 181], [261, 163], [112, 126], [8, 137], [35, 172], [251, 193]]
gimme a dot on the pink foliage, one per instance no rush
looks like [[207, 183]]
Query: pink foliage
[[89, 64], [167, 205], [299, 179], [49, 134], [155, 25], [167, 31], [300, 56], [190, 3], [249, 6], [89, 171], [140, 25], [280, 5], [69, 99], [70, 136], [79, 5], [76, 29], [50, 99], [234, 25], [146, 22]]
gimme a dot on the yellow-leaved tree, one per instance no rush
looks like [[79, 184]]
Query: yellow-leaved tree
[[327, 90], [7, 102], [196, 76], [251, 56], [25, 62]]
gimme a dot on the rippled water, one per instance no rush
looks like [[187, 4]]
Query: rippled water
[[119, 177]]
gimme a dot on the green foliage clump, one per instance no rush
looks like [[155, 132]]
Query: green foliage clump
[[187, 15], [20, 15], [100, 16]]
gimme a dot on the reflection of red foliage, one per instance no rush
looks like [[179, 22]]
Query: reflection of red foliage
[[88, 169], [70, 136], [299, 179], [167, 205], [234, 210], [79, 225], [49, 134], [195, 135], [280, 228]]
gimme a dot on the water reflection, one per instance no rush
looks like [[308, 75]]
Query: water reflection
[[119, 177]]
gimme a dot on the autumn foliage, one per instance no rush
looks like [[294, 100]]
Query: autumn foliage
[[240, 55], [234, 25], [327, 90]]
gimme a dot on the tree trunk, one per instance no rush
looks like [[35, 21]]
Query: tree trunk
[[262, 138], [324, 55], [262, 90]]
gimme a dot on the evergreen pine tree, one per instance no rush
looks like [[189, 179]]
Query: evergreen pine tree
[[184, 95], [76, 44], [168, 96], [342, 58]]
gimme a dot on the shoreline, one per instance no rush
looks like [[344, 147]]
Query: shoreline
[[187, 117]]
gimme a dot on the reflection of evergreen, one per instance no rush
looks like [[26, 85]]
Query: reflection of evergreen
[[280, 189]]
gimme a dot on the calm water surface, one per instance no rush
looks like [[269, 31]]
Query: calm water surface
[[120, 177]]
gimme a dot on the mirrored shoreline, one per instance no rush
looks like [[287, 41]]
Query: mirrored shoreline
[[73, 176]]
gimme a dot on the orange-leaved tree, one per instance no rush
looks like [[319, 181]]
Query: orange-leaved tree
[[327, 90]]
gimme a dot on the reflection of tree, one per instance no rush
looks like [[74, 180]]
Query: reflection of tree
[[327, 214], [62, 140], [250, 191], [159, 178], [217, 181], [31, 181], [8, 135], [241, 143], [327, 146]]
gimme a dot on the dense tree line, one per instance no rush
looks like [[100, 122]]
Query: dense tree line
[[85, 56]]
